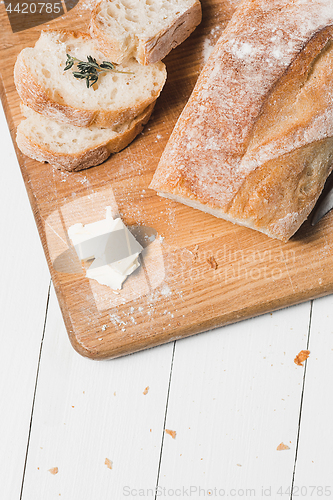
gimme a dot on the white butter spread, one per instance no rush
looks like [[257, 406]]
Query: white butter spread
[[112, 246]]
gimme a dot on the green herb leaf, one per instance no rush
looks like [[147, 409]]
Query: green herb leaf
[[90, 70], [107, 65], [78, 75], [69, 65]]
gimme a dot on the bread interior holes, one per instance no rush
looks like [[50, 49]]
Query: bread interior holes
[[127, 4], [132, 18], [113, 94], [57, 96], [117, 128], [111, 11]]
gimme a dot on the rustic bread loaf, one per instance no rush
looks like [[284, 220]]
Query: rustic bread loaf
[[254, 145], [144, 29], [115, 99], [74, 148]]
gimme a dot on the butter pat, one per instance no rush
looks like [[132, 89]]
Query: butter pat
[[114, 249]]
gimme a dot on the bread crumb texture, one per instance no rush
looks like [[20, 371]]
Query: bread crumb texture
[[108, 463], [282, 447], [54, 470], [171, 433], [301, 356], [212, 262]]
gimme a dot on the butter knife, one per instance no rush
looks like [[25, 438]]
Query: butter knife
[[324, 204]]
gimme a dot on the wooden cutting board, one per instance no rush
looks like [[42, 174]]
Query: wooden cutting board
[[197, 272]]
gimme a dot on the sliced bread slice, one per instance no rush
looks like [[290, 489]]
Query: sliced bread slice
[[116, 98], [74, 148], [144, 29]]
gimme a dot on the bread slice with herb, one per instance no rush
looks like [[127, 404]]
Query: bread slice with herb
[[74, 148], [118, 96], [144, 29]]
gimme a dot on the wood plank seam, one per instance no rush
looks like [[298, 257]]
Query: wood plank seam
[[165, 417], [301, 403], [35, 389]]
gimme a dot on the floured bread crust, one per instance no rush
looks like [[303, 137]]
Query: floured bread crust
[[254, 143]]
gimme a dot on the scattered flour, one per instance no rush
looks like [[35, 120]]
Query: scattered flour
[[207, 49], [210, 41], [166, 291], [242, 49]]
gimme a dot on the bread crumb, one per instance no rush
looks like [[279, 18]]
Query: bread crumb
[[212, 262], [146, 390], [282, 447], [171, 433], [108, 463], [239, 465], [301, 356], [54, 470]]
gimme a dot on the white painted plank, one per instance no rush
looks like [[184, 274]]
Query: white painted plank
[[235, 396], [315, 451], [87, 411], [23, 296]]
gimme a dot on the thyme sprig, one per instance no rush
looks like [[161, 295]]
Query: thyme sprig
[[90, 70]]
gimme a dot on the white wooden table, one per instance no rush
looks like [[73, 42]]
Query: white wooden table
[[232, 395]]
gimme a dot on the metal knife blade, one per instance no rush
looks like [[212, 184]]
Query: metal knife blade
[[324, 205]]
